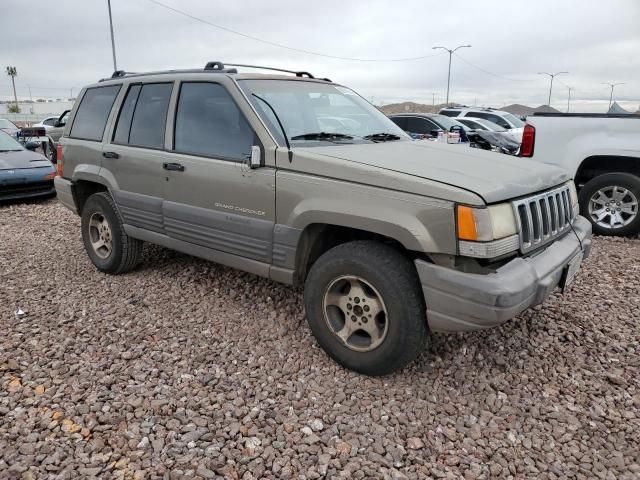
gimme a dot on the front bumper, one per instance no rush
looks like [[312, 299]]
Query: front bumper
[[26, 183], [65, 194], [458, 301]]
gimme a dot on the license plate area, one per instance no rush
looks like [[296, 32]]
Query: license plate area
[[570, 271]]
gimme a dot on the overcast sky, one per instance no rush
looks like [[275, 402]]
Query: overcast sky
[[59, 45]]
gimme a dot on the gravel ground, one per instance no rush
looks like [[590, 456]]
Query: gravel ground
[[186, 369]]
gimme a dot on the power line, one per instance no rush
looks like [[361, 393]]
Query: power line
[[287, 47], [488, 72]]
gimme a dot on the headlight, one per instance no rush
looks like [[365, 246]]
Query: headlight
[[574, 197], [487, 232]]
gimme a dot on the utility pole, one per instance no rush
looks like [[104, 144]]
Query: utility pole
[[451, 52], [569, 98], [13, 72], [113, 43], [612, 85], [552, 75], [433, 100]]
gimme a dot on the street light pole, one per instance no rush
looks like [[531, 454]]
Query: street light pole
[[552, 75], [451, 52], [569, 98], [113, 43], [612, 85]]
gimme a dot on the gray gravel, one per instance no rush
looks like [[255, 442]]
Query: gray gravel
[[186, 369]]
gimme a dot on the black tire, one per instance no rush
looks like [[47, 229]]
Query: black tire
[[394, 277], [625, 180], [125, 251]]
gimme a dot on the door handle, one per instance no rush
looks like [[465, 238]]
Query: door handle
[[110, 155], [176, 167]]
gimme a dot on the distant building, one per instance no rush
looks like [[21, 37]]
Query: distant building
[[616, 108]]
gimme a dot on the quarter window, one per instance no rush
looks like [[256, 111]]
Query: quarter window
[[93, 112], [208, 122]]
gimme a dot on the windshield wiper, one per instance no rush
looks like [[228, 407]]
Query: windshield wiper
[[322, 136], [381, 137]]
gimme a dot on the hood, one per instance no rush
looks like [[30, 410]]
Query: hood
[[494, 177], [22, 159]]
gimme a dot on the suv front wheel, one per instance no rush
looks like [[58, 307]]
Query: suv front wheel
[[365, 307], [108, 246]]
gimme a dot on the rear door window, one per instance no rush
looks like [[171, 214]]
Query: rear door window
[[209, 123], [421, 125], [93, 113], [150, 115], [400, 121]]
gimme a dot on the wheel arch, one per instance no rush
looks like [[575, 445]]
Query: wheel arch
[[596, 165], [318, 237]]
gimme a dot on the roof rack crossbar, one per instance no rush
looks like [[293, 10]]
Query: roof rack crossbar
[[296, 73]]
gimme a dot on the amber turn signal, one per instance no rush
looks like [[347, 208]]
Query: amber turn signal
[[466, 224]]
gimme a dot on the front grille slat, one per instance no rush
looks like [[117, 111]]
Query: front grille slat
[[560, 204], [543, 217]]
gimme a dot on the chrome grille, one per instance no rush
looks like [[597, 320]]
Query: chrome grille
[[543, 217]]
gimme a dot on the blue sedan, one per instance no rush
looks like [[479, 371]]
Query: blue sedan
[[23, 172]]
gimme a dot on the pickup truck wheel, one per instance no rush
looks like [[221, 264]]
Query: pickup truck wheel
[[365, 307], [610, 202], [109, 248]]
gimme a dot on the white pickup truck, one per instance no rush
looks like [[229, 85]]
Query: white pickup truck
[[602, 153]]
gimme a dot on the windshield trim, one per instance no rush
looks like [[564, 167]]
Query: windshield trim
[[254, 110]]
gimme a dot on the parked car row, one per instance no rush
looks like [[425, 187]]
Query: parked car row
[[301, 180], [487, 137]]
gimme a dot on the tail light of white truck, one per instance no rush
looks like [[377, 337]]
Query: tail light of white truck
[[528, 141]]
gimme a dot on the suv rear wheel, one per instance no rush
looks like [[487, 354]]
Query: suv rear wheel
[[611, 203], [365, 307], [109, 248]]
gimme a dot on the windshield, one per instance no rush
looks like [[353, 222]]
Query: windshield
[[306, 108], [446, 123], [4, 123], [513, 120], [8, 144]]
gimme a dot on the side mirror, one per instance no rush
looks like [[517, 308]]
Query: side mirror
[[255, 160], [31, 146], [59, 123]]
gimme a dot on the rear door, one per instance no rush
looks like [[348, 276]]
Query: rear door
[[83, 146], [134, 156], [212, 198]]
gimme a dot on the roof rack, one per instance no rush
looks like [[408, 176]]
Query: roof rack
[[214, 66], [296, 73]]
